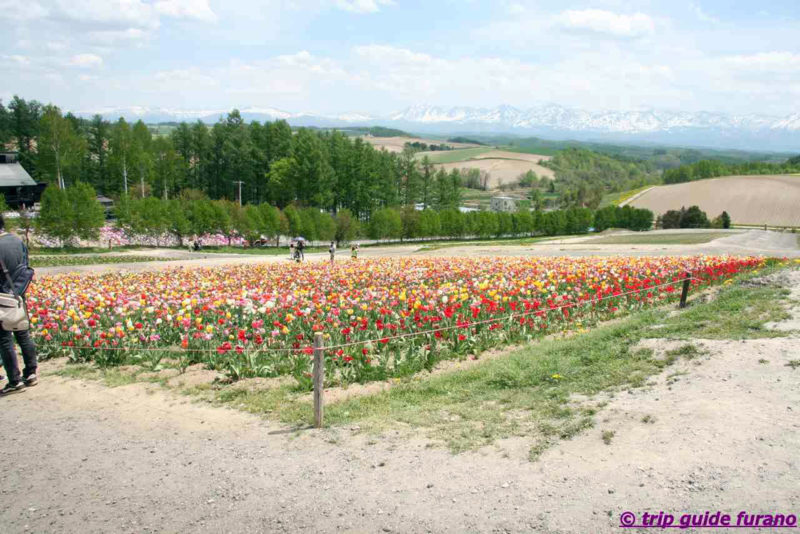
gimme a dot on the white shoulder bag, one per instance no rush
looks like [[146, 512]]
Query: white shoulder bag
[[13, 312]]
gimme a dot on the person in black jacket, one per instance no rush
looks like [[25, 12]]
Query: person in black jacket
[[14, 254]]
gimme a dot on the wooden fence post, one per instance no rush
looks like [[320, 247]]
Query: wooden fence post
[[319, 378], [685, 292]]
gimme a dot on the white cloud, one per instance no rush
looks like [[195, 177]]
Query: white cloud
[[700, 13], [85, 61], [18, 59], [193, 9], [116, 37], [607, 22], [786, 62], [363, 6], [391, 54]]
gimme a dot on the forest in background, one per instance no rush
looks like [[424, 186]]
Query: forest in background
[[327, 169]]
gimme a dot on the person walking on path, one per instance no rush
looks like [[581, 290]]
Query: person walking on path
[[354, 251], [332, 251], [14, 257]]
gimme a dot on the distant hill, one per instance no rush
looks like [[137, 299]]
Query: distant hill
[[673, 128], [766, 199]]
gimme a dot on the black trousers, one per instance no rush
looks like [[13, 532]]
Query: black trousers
[[9, 354]]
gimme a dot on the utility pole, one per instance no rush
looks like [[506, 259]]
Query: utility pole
[[240, 190]]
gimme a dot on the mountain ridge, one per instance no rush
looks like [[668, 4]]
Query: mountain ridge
[[713, 129]]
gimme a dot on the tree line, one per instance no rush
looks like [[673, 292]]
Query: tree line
[[74, 212], [714, 168], [269, 163], [582, 176]]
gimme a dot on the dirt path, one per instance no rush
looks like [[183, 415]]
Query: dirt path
[[753, 242], [81, 457]]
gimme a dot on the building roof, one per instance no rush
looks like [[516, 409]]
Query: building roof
[[13, 175]]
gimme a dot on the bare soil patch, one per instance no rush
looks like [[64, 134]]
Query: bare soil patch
[[396, 144], [503, 167], [716, 432], [771, 199]]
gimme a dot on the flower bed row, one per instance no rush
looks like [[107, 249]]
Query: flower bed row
[[379, 318]]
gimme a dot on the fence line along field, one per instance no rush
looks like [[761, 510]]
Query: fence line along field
[[379, 318], [765, 199]]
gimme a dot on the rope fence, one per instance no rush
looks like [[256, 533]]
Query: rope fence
[[461, 326], [318, 348]]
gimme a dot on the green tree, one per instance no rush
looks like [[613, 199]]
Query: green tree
[[430, 224], [726, 219], [60, 149], [55, 216], [347, 226], [166, 167], [294, 223], [280, 189], [254, 224], [221, 221], [23, 119], [694, 217], [99, 130], [325, 226], [410, 219], [671, 219], [452, 222], [523, 222], [141, 157], [87, 215], [178, 223], [385, 223], [120, 152], [273, 222]]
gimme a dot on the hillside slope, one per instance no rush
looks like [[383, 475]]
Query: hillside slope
[[767, 199]]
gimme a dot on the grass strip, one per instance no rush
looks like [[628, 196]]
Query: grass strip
[[528, 392], [90, 259]]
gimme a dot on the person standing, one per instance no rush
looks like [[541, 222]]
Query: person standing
[[332, 251], [14, 257]]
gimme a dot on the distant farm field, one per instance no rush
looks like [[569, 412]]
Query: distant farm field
[[503, 166], [769, 199], [396, 144], [451, 156]]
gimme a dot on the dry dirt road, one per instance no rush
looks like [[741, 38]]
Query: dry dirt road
[[753, 242], [83, 458]]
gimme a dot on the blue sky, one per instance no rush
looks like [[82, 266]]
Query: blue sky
[[379, 56]]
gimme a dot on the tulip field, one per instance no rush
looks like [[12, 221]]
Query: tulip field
[[379, 318]]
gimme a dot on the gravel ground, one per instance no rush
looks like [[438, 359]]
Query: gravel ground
[[85, 458]]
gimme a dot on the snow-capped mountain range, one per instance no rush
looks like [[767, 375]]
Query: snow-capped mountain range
[[754, 131]]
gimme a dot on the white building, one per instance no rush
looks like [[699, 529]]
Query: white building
[[503, 204]]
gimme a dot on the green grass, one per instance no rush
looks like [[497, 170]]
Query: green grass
[[536, 150], [259, 251], [646, 238], [531, 392], [528, 392], [65, 251], [505, 241], [90, 259], [453, 156], [615, 199]]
